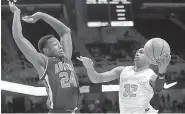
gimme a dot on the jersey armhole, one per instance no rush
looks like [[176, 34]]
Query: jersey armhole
[[44, 74], [121, 72], [151, 79]]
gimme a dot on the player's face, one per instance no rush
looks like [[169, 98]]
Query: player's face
[[140, 57], [55, 48]]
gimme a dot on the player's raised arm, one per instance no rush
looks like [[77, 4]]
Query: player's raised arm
[[24, 45], [63, 31], [96, 77], [157, 81]]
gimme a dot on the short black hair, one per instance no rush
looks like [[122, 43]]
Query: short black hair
[[43, 41]]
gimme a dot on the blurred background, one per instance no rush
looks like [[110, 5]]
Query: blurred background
[[107, 31]]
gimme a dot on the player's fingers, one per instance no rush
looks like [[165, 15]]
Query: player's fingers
[[170, 57], [167, 55], [84, 58], [163, 56], [28, 20], [159, 60], [28, 17], [166, 58], [79, 58], [24, 18], [10, 3]]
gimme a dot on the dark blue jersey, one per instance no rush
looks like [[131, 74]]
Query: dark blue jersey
[[61, 83]]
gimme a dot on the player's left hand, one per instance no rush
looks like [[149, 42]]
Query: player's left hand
[[87, 62], [13, 8], [163, 62], [32, 18]]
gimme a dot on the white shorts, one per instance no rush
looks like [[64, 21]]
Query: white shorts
[[136, 110], [152, 110]]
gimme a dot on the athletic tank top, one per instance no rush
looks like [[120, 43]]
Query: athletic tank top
[[61, 84], [135, 90]]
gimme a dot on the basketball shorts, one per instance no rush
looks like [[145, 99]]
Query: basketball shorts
[[76, 110]]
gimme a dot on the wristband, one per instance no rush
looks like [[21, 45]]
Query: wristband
[[161, 76]]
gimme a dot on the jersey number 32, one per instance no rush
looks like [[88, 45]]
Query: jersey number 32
[[129, 90]]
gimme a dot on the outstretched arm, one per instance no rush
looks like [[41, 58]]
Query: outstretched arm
[[63, 31], [59, 27], [157, 81], [96, 77], [24, 45]]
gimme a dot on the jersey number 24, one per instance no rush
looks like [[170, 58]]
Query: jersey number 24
[[65, 81]]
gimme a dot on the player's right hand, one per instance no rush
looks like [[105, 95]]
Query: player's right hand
[[13, 8], [32, 18], [87, 62], [163, 62]]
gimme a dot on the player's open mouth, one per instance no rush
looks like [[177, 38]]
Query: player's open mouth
[[62, 52], [136, 58]]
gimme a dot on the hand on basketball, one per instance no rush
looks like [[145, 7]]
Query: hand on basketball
[[32, 18], [87, 62], [13, 8], [163, 62]]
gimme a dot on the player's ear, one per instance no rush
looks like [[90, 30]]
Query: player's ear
[[148, 63], [45, 50]]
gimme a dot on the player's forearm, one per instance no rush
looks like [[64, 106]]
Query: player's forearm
[[160, 80], [59, 27], [16, 26], [93, 75], [159, 83]]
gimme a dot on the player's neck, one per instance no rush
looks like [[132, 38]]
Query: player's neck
[[140, 68]]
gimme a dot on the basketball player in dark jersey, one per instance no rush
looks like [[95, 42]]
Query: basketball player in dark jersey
[[53, 64]]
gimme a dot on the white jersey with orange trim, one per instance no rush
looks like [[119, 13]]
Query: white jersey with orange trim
[[135, 90]]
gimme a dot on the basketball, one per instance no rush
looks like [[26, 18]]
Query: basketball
[[154, 48]]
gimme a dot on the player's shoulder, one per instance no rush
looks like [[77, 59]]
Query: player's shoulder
[[152, 75], [129, 67], [68, 60], [119, 69], [44, 61], [151, 71], [44, 57], [41, 68]]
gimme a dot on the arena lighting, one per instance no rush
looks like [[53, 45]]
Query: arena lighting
[[163, 5], [31, 90], [41, 91], [107, 88], [24, 89]]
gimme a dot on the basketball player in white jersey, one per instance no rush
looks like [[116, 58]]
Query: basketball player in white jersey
[[137, 83]]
